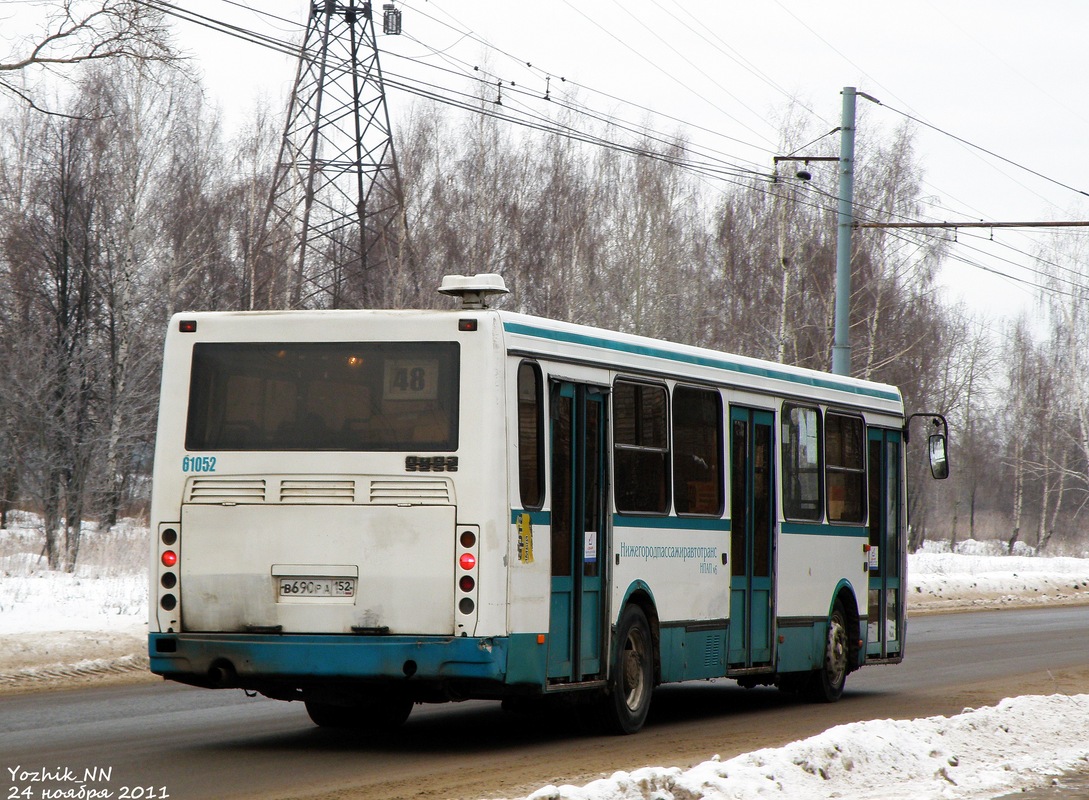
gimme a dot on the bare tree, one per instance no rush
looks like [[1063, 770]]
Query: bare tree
[[976, 359], [1023, 387], [80, 317], [77, 31], [50, 258], [133, 118], [1062, 420], [252, 169]]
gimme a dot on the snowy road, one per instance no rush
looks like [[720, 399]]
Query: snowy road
[[201, 744]]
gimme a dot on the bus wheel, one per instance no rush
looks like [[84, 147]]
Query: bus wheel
[[632, 679], [374, 716], [826, 685]]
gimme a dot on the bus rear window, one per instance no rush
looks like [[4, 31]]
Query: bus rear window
[[346, 396]]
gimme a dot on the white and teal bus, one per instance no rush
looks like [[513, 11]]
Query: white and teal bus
[[364, 510]]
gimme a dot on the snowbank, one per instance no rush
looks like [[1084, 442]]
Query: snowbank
[[977, 577], [981, 753], [60, 627]]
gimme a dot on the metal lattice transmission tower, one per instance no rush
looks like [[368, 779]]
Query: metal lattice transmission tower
[[336, 206]]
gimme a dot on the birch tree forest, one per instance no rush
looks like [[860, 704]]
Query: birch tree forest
[[122, 201]]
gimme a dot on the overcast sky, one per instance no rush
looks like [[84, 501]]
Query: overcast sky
[[1003, 76]]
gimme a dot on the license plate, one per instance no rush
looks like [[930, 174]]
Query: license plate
[[291, 588]]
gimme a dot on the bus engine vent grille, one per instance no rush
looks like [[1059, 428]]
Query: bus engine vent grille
[[226, 490], [712, 653], [317, 491], [410, 492]]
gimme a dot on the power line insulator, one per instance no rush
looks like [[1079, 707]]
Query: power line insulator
[[391, 19]]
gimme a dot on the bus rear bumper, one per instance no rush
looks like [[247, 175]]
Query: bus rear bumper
[[252, 660]]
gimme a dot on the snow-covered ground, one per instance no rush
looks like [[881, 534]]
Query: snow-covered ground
[[59, 626], [981, 753]]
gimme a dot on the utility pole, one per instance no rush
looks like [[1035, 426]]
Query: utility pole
[[845, 223], [841, 344], [841, 347], [336, 203]]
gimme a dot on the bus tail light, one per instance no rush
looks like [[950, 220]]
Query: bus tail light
[[169, 559], [467, 552]]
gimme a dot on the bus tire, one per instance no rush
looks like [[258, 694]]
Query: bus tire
[[374, 716], [827, 682], [631, 681]]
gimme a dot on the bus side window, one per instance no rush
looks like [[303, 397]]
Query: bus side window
[[530, 435], [845, 467], [697, 451], [641, 448], [801, 463]]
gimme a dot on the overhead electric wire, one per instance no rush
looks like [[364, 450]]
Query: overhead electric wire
[[1035, 257], [954, 253], [905, 234], [1067, 235], [220, 26], [718, 171], [435, 92], [982, 149], [1025, 267], [1037, 88], [793, 154], [559, 101], [294, 24], [973, 148], [914, 118], [1027, 282], [540, 73], [659, 68], [714, 81], [712, 155], [529, 65], [737, 58], [472, 104]]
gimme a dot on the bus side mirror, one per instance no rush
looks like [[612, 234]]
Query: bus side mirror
[[939, 460], [937, 445]]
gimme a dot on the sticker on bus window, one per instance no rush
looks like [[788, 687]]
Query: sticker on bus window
[[589, 550], [411, 379]]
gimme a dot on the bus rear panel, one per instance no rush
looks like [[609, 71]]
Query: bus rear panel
[[319, 507]]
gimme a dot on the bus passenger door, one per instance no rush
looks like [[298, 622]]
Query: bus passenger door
[[752, 526], [578, 519], [886, 553]]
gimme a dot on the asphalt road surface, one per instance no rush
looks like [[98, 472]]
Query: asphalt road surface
[[154, 739]]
